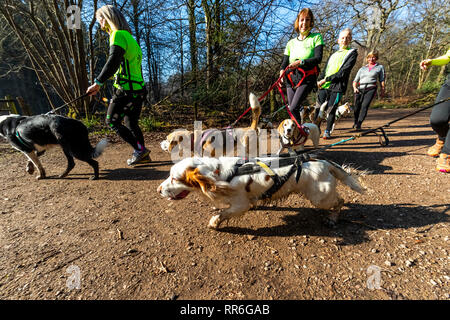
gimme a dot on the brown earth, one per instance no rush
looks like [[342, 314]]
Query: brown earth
[[400, 227]]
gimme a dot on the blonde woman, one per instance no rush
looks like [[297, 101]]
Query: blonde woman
[[304, 52], [365, 87], [124, 63]]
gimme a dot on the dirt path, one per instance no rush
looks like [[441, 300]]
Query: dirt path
[[398, 232]]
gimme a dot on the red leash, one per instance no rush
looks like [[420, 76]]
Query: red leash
[[278, 85]]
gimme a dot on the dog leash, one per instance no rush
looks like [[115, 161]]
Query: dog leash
[[65, 104], [380, 128], [276, 83]]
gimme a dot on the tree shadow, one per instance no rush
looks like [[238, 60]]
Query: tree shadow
[[355, 220]]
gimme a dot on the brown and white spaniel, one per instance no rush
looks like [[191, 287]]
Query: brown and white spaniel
[[291, 138], [212, 142], [216, 179]]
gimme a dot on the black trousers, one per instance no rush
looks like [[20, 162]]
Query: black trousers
[[296, 97], [440, 116], [127, 108], [333, 99], [362, 103]]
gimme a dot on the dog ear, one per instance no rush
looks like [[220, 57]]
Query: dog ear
[[195, 179], [280, 128]]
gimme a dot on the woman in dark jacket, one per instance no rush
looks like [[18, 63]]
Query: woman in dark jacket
[[334, 78]]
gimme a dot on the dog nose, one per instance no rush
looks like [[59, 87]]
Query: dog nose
[[159, 190]]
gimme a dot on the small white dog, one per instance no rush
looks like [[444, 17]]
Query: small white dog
[[341, 112], [217, 180], [290, 137]]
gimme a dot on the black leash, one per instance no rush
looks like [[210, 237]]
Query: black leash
[[386, 142], [65, 104], [380, 128]]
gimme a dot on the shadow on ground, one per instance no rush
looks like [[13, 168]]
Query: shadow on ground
[[355, 220]]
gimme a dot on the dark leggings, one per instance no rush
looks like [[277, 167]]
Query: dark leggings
[[362, 103], [333, 100], [297, 96], [126, 108], [440, 116]]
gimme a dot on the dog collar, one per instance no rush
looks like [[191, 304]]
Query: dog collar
[[25, 144]]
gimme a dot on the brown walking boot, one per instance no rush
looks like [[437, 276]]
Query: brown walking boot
[[443, 163], [435, 150]]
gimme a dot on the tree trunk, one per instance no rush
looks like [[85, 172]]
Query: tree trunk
[[193, 48]]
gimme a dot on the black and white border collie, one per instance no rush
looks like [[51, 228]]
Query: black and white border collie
[[34, 134]]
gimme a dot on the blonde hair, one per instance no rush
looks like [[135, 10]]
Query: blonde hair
[[113, 17], [308, 13], [373, 53]]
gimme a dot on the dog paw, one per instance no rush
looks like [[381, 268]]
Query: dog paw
[[214, 222], [40, 177], [93, 178]]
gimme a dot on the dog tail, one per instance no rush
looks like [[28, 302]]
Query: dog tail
[[346, 178], [99, 148], [256, 110]]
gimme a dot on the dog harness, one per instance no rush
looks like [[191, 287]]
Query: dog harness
[[247, 167], [313, 71]]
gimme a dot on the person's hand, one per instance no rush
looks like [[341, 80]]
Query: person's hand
[[355, 90], [295, 64], [424, 64], [320, 83], [93, 89], [282, 79]]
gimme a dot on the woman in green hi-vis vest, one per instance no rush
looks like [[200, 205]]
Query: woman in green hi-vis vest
[[124, 63], [303, 52]]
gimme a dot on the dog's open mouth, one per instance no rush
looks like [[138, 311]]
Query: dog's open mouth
[[181, 195]]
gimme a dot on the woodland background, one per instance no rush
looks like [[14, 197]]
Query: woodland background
[[203, 57]]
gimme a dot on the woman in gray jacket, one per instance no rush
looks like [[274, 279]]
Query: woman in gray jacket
[[365, 87]]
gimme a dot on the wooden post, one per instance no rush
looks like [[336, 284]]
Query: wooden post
[[11, 105], [24, 106]]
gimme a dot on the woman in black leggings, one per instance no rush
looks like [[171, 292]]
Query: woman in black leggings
[[124, 63], [365, 87], [305, 52]]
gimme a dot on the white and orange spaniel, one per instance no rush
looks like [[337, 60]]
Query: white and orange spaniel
[[290, 137], [217, 179]]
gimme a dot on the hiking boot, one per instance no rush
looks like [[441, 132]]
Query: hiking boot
[[139, 157], [326, 135], [443, 163], [435, 150]]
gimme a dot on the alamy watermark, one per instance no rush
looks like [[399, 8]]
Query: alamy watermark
[[230, 142], [74, 279], [374, 280], [73, 17]]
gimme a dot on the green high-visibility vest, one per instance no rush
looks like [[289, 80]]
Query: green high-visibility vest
[[334, 64], [129, 75]]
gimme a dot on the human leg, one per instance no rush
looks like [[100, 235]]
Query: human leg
[[296, 98], [366, 100], [333, 102], [439, 119]]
